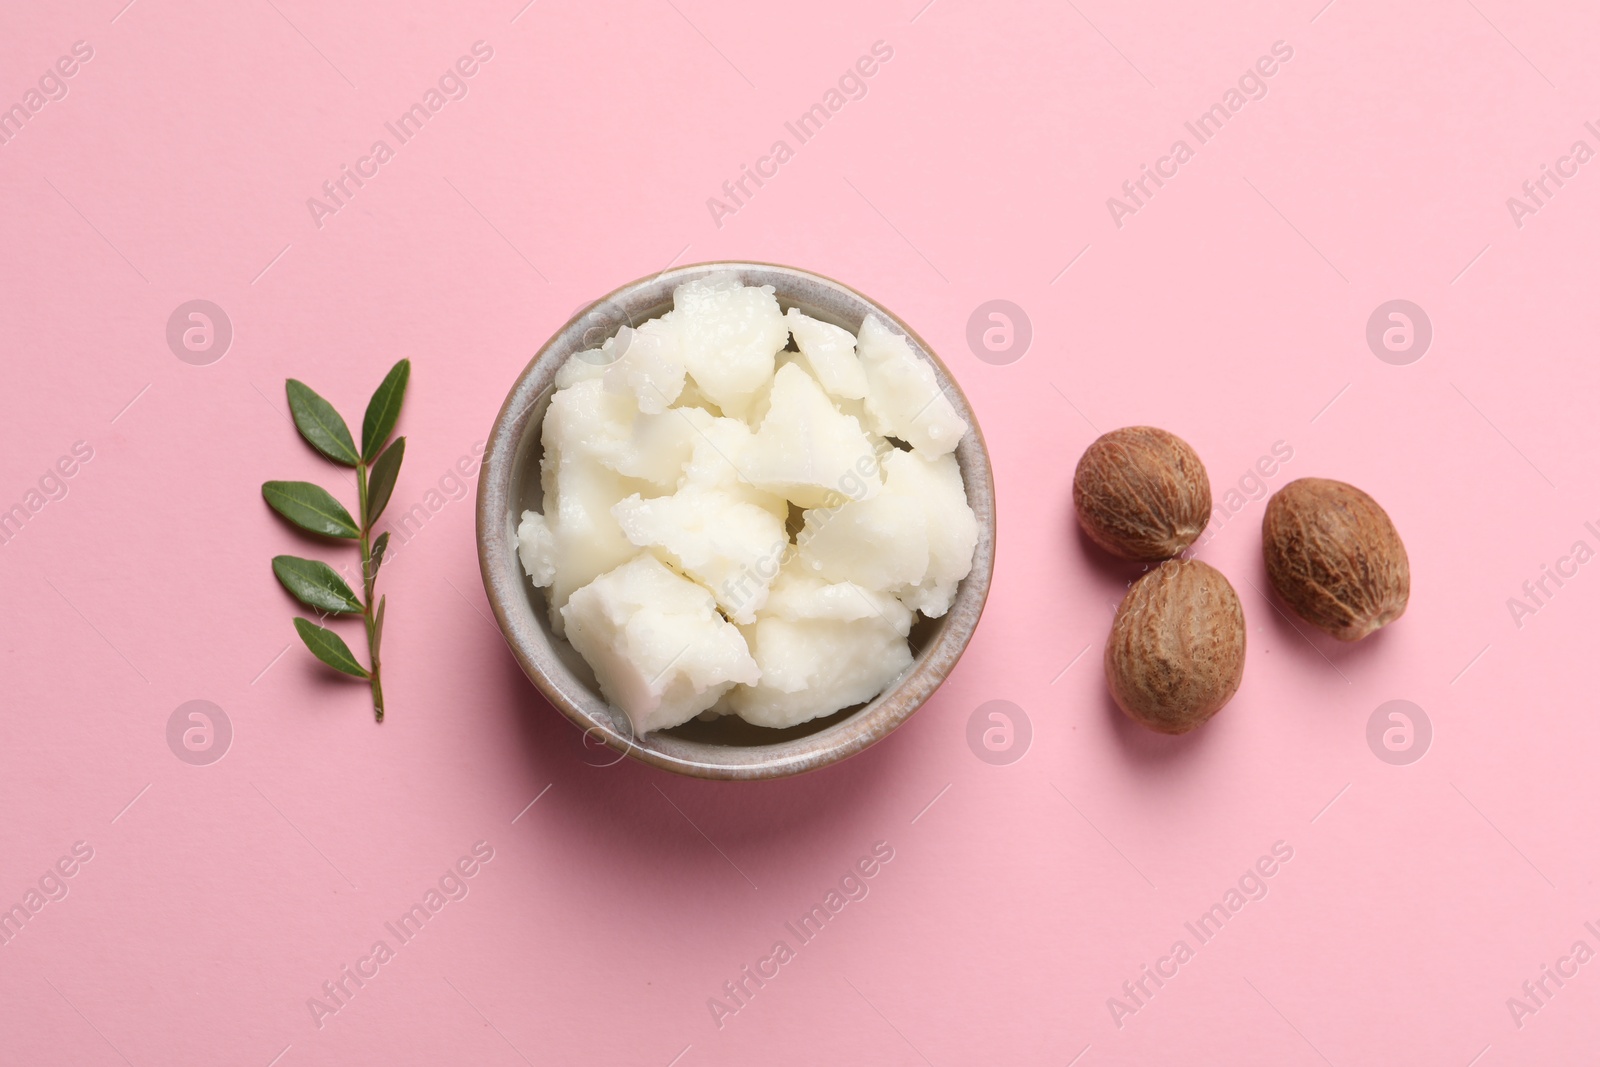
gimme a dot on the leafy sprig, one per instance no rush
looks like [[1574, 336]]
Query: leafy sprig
[[313, 509]]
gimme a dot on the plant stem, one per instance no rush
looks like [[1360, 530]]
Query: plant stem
[[368, 603]]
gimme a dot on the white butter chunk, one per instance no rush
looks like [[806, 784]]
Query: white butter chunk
[[646, 364], [729, 335], [729, 545], [903, 395], [830, 351], [821, 647], [915, 539], [659, 650], [806, 450]]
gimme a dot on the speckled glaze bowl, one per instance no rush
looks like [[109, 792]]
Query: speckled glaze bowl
[[727, 748]]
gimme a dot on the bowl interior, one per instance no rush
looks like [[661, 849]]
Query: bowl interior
[[727, 747]]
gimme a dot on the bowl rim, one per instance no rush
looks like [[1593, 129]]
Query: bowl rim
[[501, 571]]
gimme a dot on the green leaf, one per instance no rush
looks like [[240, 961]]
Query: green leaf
[[379, 547], [320, 424], [310, 507], [377, 628], [384, 409], [316, 585], [380, 485], [329, 647]]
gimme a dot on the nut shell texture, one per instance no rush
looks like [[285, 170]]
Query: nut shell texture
[[1141, 493], [1176, 651], [1335, 558]]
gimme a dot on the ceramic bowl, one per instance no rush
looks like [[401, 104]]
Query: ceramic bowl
[[727, 748]]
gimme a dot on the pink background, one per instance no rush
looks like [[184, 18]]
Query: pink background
[[1231, 309]]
